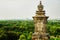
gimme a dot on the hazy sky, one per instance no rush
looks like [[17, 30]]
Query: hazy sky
[[22, 9]]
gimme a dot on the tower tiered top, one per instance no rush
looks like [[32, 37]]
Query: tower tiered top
[[40, 7], [40, 12]]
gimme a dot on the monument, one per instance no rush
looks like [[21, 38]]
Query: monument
[[40, 20]]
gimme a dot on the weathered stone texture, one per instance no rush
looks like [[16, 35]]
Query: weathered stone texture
[[40, 21]]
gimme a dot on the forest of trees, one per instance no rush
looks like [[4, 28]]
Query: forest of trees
[[23, 29]]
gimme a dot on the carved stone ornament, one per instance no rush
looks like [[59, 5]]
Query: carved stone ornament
[[40, 21]]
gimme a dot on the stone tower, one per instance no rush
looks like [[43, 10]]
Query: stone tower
[[40, 21]]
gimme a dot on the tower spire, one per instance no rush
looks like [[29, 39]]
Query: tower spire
[[40, 6]]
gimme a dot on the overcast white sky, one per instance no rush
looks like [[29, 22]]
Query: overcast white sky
[[22, 9]]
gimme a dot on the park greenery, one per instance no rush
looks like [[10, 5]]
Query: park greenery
[[23, 29]]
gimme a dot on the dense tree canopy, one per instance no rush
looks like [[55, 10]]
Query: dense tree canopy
[[23, 29]]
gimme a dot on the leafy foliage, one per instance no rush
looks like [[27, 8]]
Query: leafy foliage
[[23, 29]]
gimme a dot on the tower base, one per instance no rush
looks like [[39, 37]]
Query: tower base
[[37, 36]]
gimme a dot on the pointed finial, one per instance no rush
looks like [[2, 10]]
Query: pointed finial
[[40, 2]]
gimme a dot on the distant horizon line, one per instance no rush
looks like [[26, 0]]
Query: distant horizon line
[[29, 19]]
